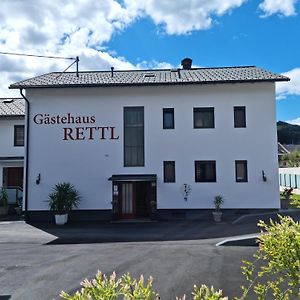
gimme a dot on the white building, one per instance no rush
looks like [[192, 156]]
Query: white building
[[12, 115], [136, 139]]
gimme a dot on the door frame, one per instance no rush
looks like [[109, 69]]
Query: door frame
[[120, 200]]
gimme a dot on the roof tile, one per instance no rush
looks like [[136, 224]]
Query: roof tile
[[139, 77], [12, 107]]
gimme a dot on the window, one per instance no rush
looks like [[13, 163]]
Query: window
[[204, 117], [205, 171], [169, 171], [239, 116], [134, 136], [241, 171], [168, 118], [19, 135]]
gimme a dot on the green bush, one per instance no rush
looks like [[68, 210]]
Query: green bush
[[111, 288], [275, 272], [204, 293], [3, 197]]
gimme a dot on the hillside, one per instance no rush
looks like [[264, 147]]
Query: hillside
[[287, 133]]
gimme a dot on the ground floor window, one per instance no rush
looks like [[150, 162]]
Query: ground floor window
[[13, 177], [169, 171], [241, 174], [205, 171]]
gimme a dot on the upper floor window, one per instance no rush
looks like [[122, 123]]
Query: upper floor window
[[241, 173], [204, 117], [134, 136], [239, 116], [169, 171], [19, 135], [168, 118], [205, 171]]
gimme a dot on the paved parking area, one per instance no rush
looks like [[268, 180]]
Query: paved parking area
[[38, 261]]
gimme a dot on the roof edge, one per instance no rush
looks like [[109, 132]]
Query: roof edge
[[16, 86]]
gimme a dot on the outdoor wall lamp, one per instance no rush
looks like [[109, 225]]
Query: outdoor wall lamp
[[38, 179], [264, 176]]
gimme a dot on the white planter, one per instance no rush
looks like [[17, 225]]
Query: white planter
[[217, 216], [61, 219]]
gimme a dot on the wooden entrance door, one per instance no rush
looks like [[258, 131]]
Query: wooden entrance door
[[13, 177], [127, 207]]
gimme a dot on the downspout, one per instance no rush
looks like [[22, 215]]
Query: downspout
[[26, 157]]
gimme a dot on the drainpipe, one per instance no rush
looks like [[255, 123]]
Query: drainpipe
[[26, 156]]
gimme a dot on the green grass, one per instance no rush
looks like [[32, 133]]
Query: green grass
[[293, 196]]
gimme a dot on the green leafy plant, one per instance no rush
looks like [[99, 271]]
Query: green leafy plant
[[3, 197], [63, 198], [218, 201], [295, 200], [111, 288], [206, 293], [275, 272]]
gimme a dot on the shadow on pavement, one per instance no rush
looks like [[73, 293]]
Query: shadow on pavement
[[5, 297], [105, 232]]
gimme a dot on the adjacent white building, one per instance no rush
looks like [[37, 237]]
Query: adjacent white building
[[12, 119], [166, 140]]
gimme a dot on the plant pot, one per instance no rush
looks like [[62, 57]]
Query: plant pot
[[284, 204], [217, 216], [61, 219], [3, 210], [18, 210]]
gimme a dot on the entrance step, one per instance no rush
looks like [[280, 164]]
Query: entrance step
[[140, 220]]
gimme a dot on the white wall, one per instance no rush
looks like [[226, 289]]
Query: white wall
[[88, 164], [7, 148]]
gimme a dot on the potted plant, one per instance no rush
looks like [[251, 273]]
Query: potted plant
[[62, 200], [3, 202], [285, 201], [217, 214]]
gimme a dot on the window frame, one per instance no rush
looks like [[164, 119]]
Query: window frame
[[236, 109], [173, 179], [124, 137], [245, 164], [16, 144], [168, 110], [199, 162], [203, 110]]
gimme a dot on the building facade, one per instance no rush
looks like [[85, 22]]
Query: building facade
[[12, 119], [163, 141]]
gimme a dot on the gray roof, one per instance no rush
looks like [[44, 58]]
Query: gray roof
[[150, 77], [11, 107]]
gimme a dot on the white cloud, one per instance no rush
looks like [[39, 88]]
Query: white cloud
[[82, 27], [292, 87], [283, 7], [184, 16], [294, 122], [76, 27]]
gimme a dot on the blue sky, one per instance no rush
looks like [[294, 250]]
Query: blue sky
[[132, 34]]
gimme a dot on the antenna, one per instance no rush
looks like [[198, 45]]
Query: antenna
[[76, 60], [77, 65]]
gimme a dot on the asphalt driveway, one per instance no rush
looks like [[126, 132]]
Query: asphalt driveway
[[38, 261]]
